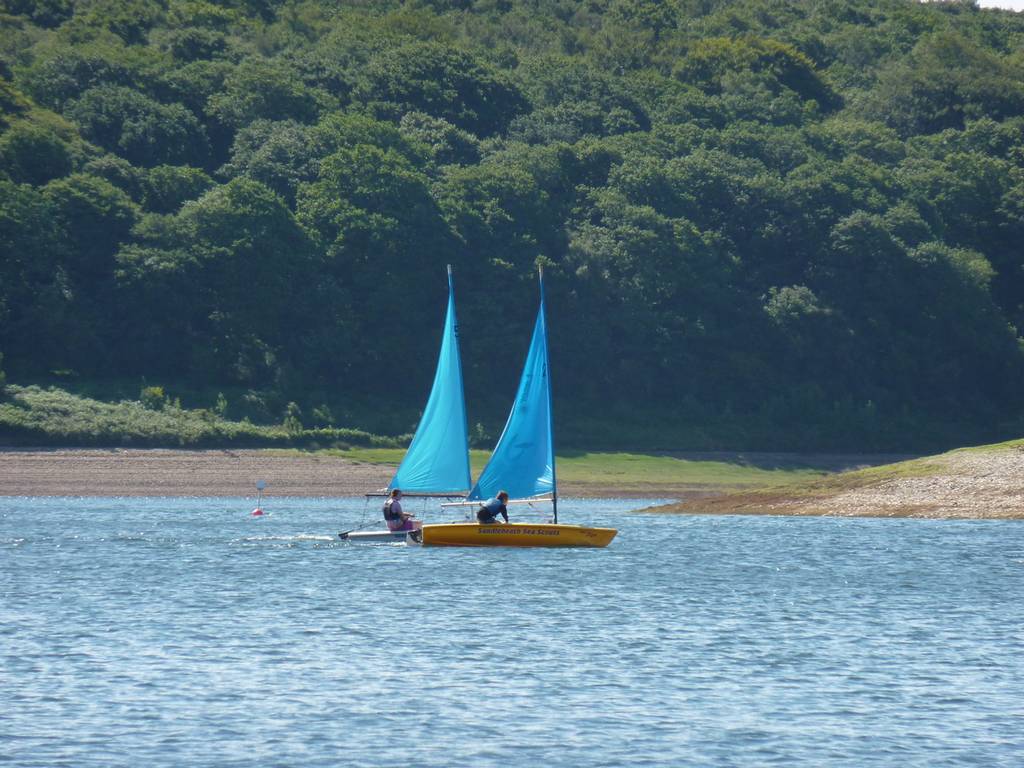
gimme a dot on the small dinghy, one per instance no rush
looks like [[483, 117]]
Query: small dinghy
[[437, 462]]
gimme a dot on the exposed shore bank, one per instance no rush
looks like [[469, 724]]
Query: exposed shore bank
[[986, 482], [171, 472], [976, 483], [230, 472]]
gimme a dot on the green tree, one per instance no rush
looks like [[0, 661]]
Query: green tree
[[657, 278], [45, 13], [575, 82], [569, 122], [743, 70], [33, 289], [120, 173], [194, 43], [169, 186], [129, 19], [231, 277], [445, 143], [278, 154], [498, 209], [372, 213], [195, 83], [441, 81], [946, 81], [366, 198], [260, 88], [96, 218], [292, 422], [34, 154], [64, 73], [349, 130], [285, 154], [631, 31], [143, 131]]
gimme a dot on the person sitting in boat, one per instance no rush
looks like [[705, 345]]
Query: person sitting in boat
[[489, 511], [396, 517]]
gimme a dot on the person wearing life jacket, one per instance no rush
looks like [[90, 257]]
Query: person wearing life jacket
[[396, 518], [490, 509]]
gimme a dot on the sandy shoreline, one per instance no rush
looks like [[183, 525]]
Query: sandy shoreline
[[168, 472], [227, 473]]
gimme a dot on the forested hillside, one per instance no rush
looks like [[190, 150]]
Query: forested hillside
[[765, 223]]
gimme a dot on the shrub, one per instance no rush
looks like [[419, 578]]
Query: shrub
[[35, 416], [153, 398], [292, 419]]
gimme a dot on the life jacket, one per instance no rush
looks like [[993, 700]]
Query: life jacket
[[388, 513]]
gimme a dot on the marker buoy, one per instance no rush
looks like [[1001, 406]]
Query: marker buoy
[[260, 485]]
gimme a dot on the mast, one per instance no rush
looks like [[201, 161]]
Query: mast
[[547, 370], [458, 365]]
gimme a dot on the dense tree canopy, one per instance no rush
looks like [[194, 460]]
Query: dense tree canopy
[[765, 224]]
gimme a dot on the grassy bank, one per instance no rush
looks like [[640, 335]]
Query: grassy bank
[[33, 416], [647, 474]]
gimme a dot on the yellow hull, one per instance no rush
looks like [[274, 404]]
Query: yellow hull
[[513, 535]]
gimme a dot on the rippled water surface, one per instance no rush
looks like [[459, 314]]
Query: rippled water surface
[[173, 632]]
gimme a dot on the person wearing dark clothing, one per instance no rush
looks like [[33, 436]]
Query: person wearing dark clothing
[[489, 511]]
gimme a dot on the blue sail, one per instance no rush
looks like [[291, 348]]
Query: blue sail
[[438, 457], [523, 462]]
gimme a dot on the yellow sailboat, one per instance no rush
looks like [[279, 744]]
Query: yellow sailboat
[[523, 464], [512, 535]]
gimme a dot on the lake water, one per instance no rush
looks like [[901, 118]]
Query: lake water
[[184, 632]]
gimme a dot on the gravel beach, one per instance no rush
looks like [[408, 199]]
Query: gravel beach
[[975, 484]]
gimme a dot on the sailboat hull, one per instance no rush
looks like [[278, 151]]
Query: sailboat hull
[[512, 535], [374, 537]]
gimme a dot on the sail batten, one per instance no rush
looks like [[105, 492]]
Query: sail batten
[[523, 462], [438, 457]]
